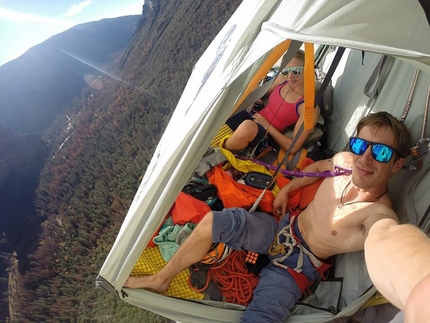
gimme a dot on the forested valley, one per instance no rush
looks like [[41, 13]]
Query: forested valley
[[98, 152]]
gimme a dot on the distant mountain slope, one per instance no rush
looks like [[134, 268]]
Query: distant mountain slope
[[35, 87], [85, 191]]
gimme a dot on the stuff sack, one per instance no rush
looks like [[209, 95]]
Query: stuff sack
[[185, 209], [234, 194]]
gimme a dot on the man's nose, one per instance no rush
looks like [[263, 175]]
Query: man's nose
[[367, 156]]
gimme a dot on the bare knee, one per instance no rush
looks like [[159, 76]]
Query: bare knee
[[242, 136], [247, 130], [206, 224]]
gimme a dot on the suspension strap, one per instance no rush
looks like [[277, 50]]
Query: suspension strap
[[411, 94], [259, 91], [318, 97], [426, 110], [421, 149], [422, 146], [374, 83]]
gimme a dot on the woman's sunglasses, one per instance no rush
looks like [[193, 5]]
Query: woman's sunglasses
[[297, 70], [380, 152]]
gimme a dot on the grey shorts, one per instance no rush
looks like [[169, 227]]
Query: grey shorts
[[240, 229], [277, 291]]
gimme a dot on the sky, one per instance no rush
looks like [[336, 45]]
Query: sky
[[26, 23]]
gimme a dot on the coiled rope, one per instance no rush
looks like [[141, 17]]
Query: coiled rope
[[232, 278]]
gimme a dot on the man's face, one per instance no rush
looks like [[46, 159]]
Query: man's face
[[369, 173]]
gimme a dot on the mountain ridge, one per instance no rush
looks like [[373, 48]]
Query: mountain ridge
[[22, 156], [35, 87], [85, 191]]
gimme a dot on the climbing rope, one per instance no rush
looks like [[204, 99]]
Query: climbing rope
[[232, 278]]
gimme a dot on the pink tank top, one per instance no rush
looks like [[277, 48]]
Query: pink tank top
[[280, 113]]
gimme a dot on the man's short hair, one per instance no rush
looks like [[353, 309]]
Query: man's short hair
[[402, 136]]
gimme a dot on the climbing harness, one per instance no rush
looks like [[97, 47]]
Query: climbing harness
[[286, 248]]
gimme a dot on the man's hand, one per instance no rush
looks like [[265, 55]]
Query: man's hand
[[280, 203]]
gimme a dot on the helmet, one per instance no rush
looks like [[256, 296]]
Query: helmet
[[217, 253]]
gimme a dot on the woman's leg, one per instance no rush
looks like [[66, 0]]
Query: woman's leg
[[242, 136]]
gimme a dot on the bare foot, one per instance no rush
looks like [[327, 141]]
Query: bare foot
[[148, 282]]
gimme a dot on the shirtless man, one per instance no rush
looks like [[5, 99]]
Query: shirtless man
[[336, 221]]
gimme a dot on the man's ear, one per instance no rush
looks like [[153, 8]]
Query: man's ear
[[398, 165]]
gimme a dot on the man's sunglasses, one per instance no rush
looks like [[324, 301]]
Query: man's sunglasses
[[380, 152], [297, 70]]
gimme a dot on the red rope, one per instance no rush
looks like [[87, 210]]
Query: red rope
[[232, 278]]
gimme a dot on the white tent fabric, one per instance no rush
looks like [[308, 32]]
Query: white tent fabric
[[223, 73]]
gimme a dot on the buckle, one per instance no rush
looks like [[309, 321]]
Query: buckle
[[421, 149]]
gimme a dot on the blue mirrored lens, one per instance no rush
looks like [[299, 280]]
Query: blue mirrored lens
[[358, 146], [382, 153]]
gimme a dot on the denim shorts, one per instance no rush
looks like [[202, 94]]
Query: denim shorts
[[276, 291]]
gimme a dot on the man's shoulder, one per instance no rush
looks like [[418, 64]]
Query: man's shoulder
[[378, 211], [383, 207]]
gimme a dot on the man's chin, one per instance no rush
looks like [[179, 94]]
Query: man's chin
[[361, 182]]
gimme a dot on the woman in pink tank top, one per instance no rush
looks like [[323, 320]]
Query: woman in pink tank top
[[285, 107]]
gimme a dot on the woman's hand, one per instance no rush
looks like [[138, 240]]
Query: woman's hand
[[258, 118]]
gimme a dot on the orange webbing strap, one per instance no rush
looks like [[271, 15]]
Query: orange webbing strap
[[309, 86], [292, 161], [309, 100], [277, 52], [232, 278]]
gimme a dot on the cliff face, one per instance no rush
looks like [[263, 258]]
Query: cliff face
[[23, 157], [21, 160], [84, 192], [168, 41]]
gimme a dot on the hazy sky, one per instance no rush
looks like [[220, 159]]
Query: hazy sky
[[25, 23]]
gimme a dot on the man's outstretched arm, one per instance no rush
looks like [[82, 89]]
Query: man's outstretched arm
[[281, 201], [398, 260]]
